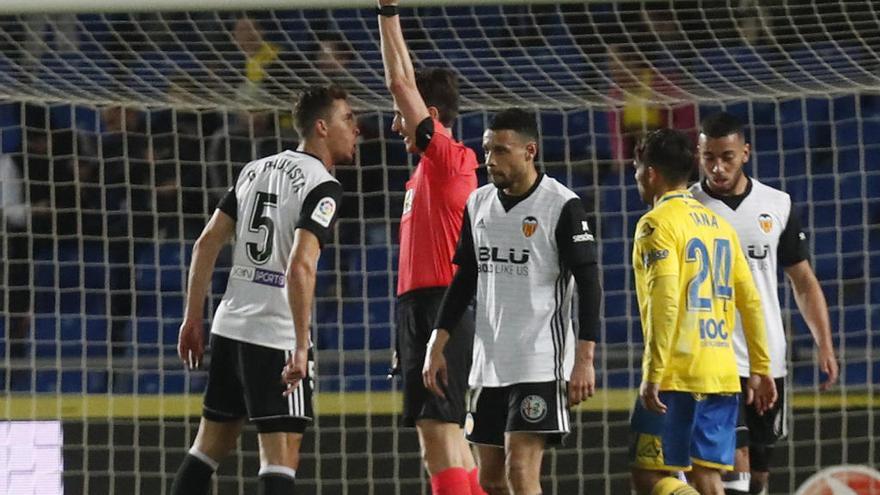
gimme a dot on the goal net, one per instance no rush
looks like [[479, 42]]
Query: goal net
[[119, 131]]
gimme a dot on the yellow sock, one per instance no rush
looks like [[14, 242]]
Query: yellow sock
[[672, 486]]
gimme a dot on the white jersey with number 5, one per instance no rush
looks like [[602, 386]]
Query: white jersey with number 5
[[272, 198]]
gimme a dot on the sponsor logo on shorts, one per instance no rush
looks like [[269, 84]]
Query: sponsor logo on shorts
[[257, 276], [533, 408], [649, 450]]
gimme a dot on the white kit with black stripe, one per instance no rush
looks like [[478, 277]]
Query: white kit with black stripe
[[770, 234], [524, 295], [273, 197]]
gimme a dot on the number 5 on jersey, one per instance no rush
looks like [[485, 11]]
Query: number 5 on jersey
[[260, 222]]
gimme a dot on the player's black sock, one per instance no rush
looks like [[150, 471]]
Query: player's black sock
[[275, 484], [193, 477]]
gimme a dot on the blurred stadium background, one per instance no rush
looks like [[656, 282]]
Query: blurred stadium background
[[124, 127]]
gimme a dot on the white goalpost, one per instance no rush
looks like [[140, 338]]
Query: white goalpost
[[120, 129]]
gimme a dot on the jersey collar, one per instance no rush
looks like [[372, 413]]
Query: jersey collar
[[316, 157], [508, 202], [678, 193], [732, 202]]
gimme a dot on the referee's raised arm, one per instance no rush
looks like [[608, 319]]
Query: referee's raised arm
[[425, 108], [400, 77]]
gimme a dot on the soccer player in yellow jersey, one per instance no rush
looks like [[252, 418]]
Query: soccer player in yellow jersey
[[691, 276]]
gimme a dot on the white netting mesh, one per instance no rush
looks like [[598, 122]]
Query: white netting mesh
[[545, 55], [119, 131]]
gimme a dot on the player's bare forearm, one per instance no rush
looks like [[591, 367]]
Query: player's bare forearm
[[812, 304], [301, 275], [434, 372], [301, 295], [205, 251], [400, 76], [582, 383], [585, 352], [190, 341], [438, 340], [395, 55]]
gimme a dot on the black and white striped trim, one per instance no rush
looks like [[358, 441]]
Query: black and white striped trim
[[296, 406], [557, 329], [562, 414]]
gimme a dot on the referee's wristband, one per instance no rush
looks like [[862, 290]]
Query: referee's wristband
[[388, 10]]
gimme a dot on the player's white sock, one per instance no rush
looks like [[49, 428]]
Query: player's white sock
[[276, 480], [736, 483]]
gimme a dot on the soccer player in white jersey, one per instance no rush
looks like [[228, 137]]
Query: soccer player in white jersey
[[281, 211], [770, 234], [524, 242]]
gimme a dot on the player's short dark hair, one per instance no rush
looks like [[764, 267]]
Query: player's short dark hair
[[439, 88], [721, 124], [315, 103], [668, 151], [516, 119]]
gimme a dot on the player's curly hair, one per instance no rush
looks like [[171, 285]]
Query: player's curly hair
[[315, 103], [668, 151]]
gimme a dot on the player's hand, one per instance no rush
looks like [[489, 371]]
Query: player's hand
[[761, 393], [582, 384], [828, 365], [434, 372], [649, 394], [190, 343], [295, 369]]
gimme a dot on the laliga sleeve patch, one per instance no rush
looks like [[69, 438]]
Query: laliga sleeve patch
[[323, 212]]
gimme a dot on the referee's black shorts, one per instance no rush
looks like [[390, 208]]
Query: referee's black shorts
[[415, 315]]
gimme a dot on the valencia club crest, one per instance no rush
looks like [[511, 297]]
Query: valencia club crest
[[529, 226], [765, 221]]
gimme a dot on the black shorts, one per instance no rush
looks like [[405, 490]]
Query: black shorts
[[415, 315], [753, 429], [522, 407], [244, 380]]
